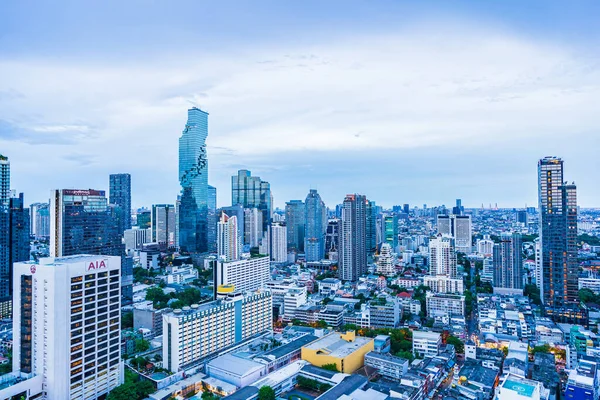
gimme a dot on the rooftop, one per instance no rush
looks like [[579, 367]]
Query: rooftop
[[345, 387], [281, 351], [333, 345], [235, 365]]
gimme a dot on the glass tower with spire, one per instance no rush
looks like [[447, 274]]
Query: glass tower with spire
[[193, 177]]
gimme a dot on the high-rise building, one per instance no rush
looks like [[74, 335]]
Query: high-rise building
[[81, 222], [460, 228], [371, 227], [237, 211], [252, 226], [485, 246], [144, 219], [353, 237], [442, 256], [163, 225], [193, 177], [315, 218], [332, 237], [232, 318], [252, 192], [228, 244], [39, 217], [213, 217], [558, 234], [120, 195], [458, 209], [508, 261], [18, 241], [385, 262], [245, 274], [67, 325], [279, 242], [5, 266], [389, 227], [406, 209], [295, 222], [521, 217]]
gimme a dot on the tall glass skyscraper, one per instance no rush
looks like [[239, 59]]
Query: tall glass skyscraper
[[4, 227], [19, 234], [558, 234], [295, 220], [371, 227], [353, 238], [120, 195], [251, 192], [508, 261], [193, 177], [212, 219], [315, 218]]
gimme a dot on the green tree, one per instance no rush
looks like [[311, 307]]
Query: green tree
[[544, 348], [141, 345], [534, 294], [127, 320], [321, 324], [125, 391], [459, 346], [587, 296], [330, 367], [266, 393], [208, 396]]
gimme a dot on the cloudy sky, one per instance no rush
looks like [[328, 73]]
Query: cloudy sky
[[406, 102]]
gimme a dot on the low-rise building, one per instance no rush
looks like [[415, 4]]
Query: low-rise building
[[426, 344], [347, 351], [515, 387], [237, 371], [445, 304], [389, 366]]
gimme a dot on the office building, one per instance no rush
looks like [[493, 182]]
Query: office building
[[389, 366], [426, 344], [240, 214], [279, 242], [458, 209], [384, 312], [39, 217], [353, 251], [315, 222], [460, 228], [252, 227], [193, 177], [444, 305], [385, 262], [246, 274], [485, 246], [389, 227], [144, 219], [521, 217], [371, 212], [213, 217], [345, 350], [332, 236], [163, 225], [193, 333], [444, 284], [5, 266], [584, 381], [71, 343], [252, 192], [508, 261], [134, 238], [558, 234], [18, 239], [228, 245], [295, 223], [120, 195], [442, 256]]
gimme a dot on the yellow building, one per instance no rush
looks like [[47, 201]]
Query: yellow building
[[347, 351]]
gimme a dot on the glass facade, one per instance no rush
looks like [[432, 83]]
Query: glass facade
[[212, 219], [18, 238], [252, 192], [120, 196], [558, 234], [294, 219], [4, 227], [315, 218], [353, 238], [193, 177]]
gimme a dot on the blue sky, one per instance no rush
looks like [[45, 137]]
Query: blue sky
[[406, 102]]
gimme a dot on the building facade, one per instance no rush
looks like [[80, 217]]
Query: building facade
[[40, 220], [295, 223], [252, 192], [442, 256], [508, 261], [315, 222], [353, 247], [279, 243], [245, 274], [228, 245], [193, 177], [120, 196], [460, 228], [163, 225]]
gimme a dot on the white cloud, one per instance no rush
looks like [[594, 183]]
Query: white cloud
[[400, 91]]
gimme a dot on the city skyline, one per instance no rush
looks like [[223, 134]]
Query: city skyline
[[455, 138]]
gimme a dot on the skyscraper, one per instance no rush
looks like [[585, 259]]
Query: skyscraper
[[389, 226], [332, 237], [442, 256], [163, 224], [193, 177], [315, 221], [279, 242], [39, 217], [19, 234], [252, 226], [508, 261], [558, 234], [82, 222], [228, 245], [353, 238], [385, 262], [120, 195], [212, 219], [252, 192], [371, 227], [4, 229], [460, 228], [295, 220]]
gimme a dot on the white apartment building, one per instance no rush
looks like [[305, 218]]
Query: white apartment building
[[485, 246], [460, 228], [193, 333], [328, 286], [426, 344], [67, 325], [253, 223], [135, 238], [444, 284], [442, 256], [385, 262], [445, 304], [294, 298], [592, 284], [246, 274], [279, 243], [228, 247]]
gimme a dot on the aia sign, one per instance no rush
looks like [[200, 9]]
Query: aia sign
[[32, 269], [96, 265]]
